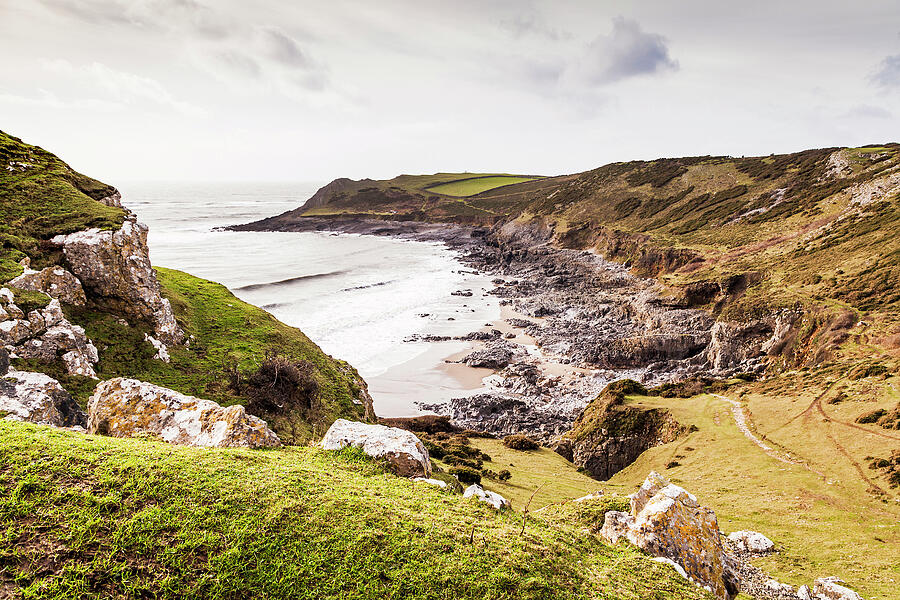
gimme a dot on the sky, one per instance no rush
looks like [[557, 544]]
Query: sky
[[302, 90]]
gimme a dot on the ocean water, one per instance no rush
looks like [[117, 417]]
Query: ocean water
[[358, 297]]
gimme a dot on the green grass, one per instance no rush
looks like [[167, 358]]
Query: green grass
[[45, 199], [225, 333], [476, 185], [88, 517], [827, 524], [555, 478]]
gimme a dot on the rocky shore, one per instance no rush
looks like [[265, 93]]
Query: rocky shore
[[573, 322]]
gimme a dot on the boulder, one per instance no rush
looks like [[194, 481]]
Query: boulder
[[494, 499], [46, 335], [436, 482], [804, 593], [404, 452], [114, 267], [830, 588], [38, 398], [54, 281], [493, 356], [126, 407], [751, 541], [666, 520]]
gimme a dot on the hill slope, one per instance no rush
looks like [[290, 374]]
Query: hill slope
[[227, 340], [91, 516]]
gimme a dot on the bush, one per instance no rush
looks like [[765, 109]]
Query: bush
[[279, 385], [466, 474], [504, 475], [520, 442]]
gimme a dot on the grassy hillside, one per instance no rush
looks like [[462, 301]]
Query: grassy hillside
[[41, 196], [88, 516], [819, 507], [740, 237]]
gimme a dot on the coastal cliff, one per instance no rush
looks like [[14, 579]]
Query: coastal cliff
[[80, 301]]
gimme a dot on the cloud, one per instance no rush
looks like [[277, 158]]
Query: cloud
[[46, 99], [152, 15], [867, 111], [532, 25], [123, 87], [888, 73], [628, 51]]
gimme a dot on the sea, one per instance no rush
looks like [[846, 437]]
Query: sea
[[358, 297]]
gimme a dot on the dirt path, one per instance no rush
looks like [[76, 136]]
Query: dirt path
[[740, 419]]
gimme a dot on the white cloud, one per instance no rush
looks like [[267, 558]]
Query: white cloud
[[123, 87]]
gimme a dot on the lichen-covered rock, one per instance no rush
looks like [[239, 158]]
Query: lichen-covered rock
[[666, 520], [751, 541], [114, 267], [403, 451], [54, 281], [46, 335], [494, 499], [125, 407], [830, 588], [38, 398]]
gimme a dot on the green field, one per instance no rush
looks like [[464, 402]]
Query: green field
[[476, 185], [820, 513], [97, 517]]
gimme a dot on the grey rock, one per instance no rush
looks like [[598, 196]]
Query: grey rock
[[38, 398]]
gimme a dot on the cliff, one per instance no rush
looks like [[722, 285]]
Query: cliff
[[81, 302]]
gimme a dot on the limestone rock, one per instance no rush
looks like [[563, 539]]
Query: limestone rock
[[436, 482], [46, 335], [54, 281], [751, 541], [494, 499], [125, 407], [668, 521], [403, 451], [38, 398], [114, 266], [830, 588], [804, 593]]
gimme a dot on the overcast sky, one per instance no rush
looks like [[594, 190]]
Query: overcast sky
[[312, 90]]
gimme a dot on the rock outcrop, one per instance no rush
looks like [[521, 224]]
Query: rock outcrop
[[114, 267], [665, 520], [127, 407], [38, 398], [46, 335], [830, 588], [493, 356], [493, 499], [54, 281], [751, 541], [404, 453], [609, 435]]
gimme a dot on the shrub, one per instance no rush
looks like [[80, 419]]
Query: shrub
[[280, 385], [520, 442], [871, 417], [488, 473], [504, 475], [466, 474]]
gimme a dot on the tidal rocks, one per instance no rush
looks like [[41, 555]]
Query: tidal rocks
[[114, 267], [38, 398], [493, 499], [751, 541], [830, 588], [665, 520], [402, 450], [493, 356], [54, 281], [609, 435], [127, 407], [45, 335], [503, 415]]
